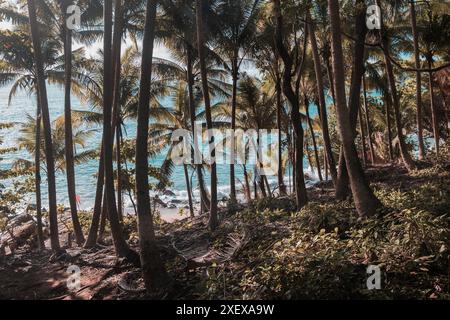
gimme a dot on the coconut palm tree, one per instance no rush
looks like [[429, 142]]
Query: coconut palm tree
[[385, 42], [152, 267], [92, 93], [293, 66], [43, 102], [174, 29], [27, 141], [121, 246], [321, 98], [200, 6], [365, 201], [236, 30], [412, 13]]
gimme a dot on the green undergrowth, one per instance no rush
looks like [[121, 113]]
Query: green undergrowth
[[323, 251]]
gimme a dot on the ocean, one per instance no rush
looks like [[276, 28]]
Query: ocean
[[23, 104]]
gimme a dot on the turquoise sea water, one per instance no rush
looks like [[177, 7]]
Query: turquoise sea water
[[23, 104]]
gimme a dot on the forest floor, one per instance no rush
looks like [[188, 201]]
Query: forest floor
[[268, 250]]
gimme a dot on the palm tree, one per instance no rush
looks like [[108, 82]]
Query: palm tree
[[27, 141], [406, 157], [365, 201], [152, 267], [236, 31], [293, 97], [412, 13], [161, 132], [321, 97], [121, 246], [37, 177], [92, 93], [41, 87], [268, 61], [354, 94], [368, 125], [435, 42], [70, 169], [200, 5], [180, 38]]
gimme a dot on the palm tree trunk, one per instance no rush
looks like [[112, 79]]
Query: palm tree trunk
[[279, 93], [93, 230], [247, 184], [329, 72], [116, 117], [43, 102], [119, 172], [412, 12], [406, 157], [313, 138], [189, 192], [266, 182], [300, 187], [434, 115], [103, 219], [190, 80], [153, 269], [365, 201], [213, 218], [322, 102], [363, 137], [342, 190], [233, 125], [388, 105], [68, 135], [369, 127], [37, 172], [121, 246]]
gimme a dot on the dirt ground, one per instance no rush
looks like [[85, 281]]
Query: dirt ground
[[32, 275]]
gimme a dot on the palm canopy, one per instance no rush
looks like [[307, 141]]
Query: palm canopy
[[92, 90], [27, 141], [17, 65]]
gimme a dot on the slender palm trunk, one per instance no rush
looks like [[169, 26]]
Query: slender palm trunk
[[308, 155], [116, 116], [37, 180], [213, 218], [365, 201], [434, 114], [119, 172], [188, 189], [267, 184], [369, 127], [322, 102], [43, 102], [363, 137], [360, 29], [279, 93], [329, 72], [313, 138], [406, 157], [68, 135], [121, 246], [153, 269], [247, 184], [103, 219], [192, 110], [412, 12], [388, 105], [93, 230], [233, 125], [299, 181]]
